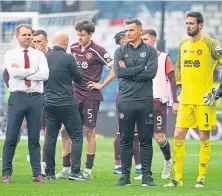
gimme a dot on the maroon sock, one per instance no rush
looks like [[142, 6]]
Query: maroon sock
[[136, 150], [43, 153], [165, 148], [117, 150], [66, 160], [89, 160]]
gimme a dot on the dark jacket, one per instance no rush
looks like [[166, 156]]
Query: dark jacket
[[135, 81], [63, 70]]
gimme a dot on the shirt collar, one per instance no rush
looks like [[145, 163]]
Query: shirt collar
[[59, 48], [88, 45], [22, 49], [141, 44]]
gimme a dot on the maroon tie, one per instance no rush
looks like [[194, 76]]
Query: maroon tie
[[27, 66]]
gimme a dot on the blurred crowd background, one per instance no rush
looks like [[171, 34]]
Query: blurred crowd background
[[166, 17]]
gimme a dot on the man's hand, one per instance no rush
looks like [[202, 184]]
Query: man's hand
[[175, 107], [211, 98], [122, 64], [15, 65], [93, 85]]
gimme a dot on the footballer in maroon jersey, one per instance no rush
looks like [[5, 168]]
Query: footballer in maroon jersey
[[91, 59]]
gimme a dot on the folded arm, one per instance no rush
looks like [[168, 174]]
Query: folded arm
[[42, 73], [127, 71], [150, 67]]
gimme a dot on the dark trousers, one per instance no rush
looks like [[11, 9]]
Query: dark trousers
[[21, 105], [141, 114], [70, 117]]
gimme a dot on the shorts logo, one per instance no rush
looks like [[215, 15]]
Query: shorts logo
[[106, 55], [142, 54], [121, 115], [149, 122], [199, 52], [88, 55]]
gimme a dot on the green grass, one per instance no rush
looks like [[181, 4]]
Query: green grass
[[103, 182]]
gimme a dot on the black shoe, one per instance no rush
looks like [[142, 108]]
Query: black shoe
[[124, 180], [52, 177], [147, 180], [77, 176]]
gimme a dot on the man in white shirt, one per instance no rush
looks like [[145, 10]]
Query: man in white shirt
[[27, 69]]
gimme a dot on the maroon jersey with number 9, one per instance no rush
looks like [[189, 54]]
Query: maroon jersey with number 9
[[90, 62]]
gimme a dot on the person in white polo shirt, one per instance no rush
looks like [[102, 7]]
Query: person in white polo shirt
[[27, 69]]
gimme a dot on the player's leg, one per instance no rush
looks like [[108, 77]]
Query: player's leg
[[66, 154], [206, 116], [90, 111], [185, 119], [71, 119], [117, 165], [136, 152], [145, 121], [160, 122], [127, 119], [43, 128]]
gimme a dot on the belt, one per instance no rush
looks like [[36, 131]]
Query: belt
[[156, 100], [28, 94]]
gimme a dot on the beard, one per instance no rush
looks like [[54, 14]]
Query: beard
[[193, 33]]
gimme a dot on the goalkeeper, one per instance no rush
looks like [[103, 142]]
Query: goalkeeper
[[196, 62]]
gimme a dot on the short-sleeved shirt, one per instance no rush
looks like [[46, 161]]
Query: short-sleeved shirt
[[195, 66], [90, 62]]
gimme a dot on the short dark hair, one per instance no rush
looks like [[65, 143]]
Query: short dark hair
[[40, 32], [134, 20], [196, 15], [17, 28], [86, 25], [119, 36], [150, 32]]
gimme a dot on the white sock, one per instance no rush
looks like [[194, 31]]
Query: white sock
[[66, 169], [117, 166], [88, 170], [138, 166]]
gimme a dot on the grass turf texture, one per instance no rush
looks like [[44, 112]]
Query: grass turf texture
[[103, 182]]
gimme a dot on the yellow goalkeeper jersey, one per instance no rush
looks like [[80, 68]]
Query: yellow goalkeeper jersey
[[195, 66]]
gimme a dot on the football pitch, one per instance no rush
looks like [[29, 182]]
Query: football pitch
[[103, 182]]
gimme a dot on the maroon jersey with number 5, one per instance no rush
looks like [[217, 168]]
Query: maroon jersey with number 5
[[90, 62]]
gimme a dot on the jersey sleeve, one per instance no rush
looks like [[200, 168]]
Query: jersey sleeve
[[216, 50], [169, 65], [104, 57], [178, 66]]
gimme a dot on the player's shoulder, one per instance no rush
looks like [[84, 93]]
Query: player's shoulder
[[184, 41], [209, 41], [96, 47], [74, 45]]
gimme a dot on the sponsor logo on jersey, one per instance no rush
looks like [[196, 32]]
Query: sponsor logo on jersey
[[191, 63], [88, 55]]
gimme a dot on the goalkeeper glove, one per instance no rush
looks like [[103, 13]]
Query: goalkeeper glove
[[210, 98], [179, 90]]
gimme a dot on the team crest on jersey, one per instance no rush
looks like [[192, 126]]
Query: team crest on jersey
[[199, 51], [142, 54], [106, 56], [126, 55], [184, 51], [88, 55]]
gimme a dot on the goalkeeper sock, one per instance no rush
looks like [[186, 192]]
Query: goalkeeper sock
[[204, 157], [178, 158]]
